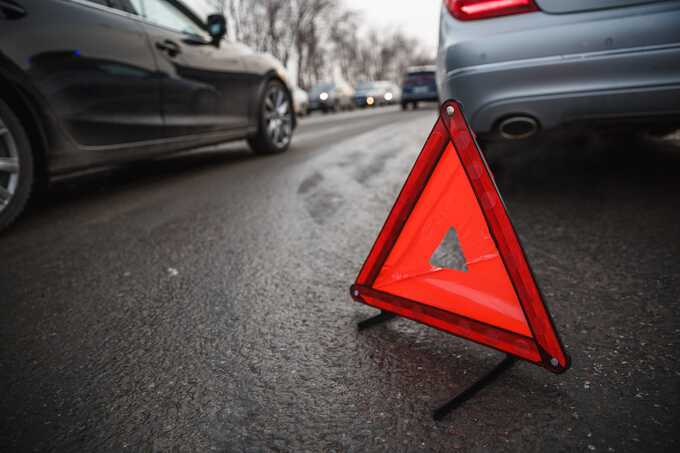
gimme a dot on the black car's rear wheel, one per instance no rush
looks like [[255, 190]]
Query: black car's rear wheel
[[16, 167], [275, 125]]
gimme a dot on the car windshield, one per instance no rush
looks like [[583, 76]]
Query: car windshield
[[320, 88], [420, 78], [365, 87], [425, 75]]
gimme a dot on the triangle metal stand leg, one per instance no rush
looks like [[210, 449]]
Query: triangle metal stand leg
[[472, 390], [377, 319]]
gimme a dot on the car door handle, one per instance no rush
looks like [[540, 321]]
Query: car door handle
[[169, 47]]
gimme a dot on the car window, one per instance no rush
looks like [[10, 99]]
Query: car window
[[420, 73], [132, 6], [164, 14], [322, 87], [101, 2], [123, 5], [419, 78]]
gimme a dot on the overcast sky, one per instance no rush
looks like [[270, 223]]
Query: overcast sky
[[417, 18]]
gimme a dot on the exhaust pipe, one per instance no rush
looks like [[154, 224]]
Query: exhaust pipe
[[518, 127]]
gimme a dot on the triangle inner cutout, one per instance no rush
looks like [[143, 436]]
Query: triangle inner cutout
[[449, 254]]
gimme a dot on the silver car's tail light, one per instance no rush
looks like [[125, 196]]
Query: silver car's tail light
[[484, 9]]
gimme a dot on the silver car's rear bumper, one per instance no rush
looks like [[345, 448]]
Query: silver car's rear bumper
[[623, 62]]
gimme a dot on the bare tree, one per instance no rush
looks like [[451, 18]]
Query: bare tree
[[322, 37], [346, 44], [312, 21]]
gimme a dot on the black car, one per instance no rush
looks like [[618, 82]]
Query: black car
[[419, 85], [84, 83]]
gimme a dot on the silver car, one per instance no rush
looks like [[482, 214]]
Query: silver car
[[331, 97], [374, 94], [300, 101], [522, 65]]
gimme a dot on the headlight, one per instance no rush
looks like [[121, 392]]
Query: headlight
[[323, 96], [388, 96], [370, 100]]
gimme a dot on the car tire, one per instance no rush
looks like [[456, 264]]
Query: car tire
[[415, 105], [275, 120], [17, 169], [404, 106]]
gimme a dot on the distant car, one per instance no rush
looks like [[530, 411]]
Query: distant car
[[86, 83], [373, 94], [419, 85], [331, 97], [519, 66], [300, 101]]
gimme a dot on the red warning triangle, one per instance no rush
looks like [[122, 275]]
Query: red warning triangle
[[491, 296]]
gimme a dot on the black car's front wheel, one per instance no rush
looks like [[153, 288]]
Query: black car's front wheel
[[275, 123], [16, 166]]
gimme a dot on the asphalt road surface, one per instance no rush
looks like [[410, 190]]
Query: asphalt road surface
[[200, 303]]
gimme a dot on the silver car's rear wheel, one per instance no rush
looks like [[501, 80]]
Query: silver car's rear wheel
[[16, 166]]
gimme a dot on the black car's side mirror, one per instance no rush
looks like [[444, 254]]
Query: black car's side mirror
[[217, 28]]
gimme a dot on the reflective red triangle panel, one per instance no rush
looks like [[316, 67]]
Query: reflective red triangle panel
[[450, 200]]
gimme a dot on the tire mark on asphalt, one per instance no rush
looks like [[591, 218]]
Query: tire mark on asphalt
[[310, 182]]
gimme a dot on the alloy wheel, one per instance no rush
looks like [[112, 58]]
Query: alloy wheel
[[278, 116], [9, 166]]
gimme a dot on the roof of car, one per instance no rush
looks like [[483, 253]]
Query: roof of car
[[427, 68]]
